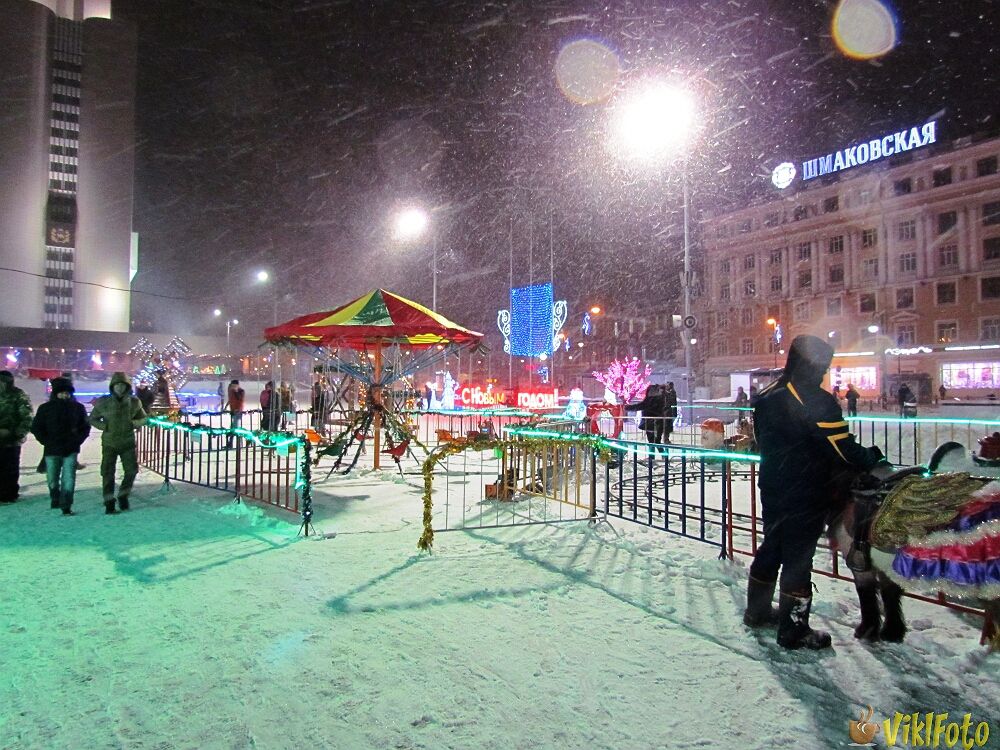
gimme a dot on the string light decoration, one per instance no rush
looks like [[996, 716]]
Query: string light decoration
[[625, 379], [157, 362]]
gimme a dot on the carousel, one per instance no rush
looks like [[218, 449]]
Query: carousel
[[377, 339]]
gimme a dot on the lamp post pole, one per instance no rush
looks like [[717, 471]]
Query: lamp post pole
[[434, 276], [687, 299]]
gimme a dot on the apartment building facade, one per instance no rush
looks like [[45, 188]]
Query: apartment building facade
[[896, 263]]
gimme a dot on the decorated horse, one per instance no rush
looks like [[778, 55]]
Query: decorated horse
[[925, 531]]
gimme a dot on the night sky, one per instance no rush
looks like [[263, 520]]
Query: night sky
[[283, 135]]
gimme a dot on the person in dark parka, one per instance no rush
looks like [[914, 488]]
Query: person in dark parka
[[61, 426], [803, 441], [653, 406], [118, 415], [15, 421]]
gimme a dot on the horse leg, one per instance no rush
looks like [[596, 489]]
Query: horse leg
[[894, 629], [867, 587]]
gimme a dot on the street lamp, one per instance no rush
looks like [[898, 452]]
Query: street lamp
[[775, 340], [229, 324], [410, 224], [654, 123], [263, 277]]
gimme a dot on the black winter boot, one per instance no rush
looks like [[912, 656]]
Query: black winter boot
[[123, 503], [871, 617], [109, 508], [793, 624], [894, 629], [759, 612]]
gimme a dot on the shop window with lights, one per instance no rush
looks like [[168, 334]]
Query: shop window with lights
[[946, 331]]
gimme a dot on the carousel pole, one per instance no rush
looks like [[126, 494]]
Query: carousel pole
[[376, 397]]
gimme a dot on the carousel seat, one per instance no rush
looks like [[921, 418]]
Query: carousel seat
[[398, 451]]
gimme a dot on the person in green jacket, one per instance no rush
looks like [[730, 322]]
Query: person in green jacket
[[15, 421], [117, 416]]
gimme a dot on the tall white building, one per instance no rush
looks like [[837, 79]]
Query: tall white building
[[67, 83]]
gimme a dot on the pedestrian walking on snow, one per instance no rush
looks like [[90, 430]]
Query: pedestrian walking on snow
[[118, 415], [61, 426], [15, 421]]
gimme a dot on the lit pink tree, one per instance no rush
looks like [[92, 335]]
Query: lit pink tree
[[628, 380]]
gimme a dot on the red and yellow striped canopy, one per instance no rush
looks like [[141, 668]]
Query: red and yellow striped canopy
[[376, 317]]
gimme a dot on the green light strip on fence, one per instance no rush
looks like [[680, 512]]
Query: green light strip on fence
[[928, 420], [568, 437], [647, 449], [263, 439]]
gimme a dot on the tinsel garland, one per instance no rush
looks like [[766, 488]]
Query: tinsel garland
[[426, 540]]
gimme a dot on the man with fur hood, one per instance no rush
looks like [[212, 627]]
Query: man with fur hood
[[118, 415], [61, 426], [804, 443], [15, 421]]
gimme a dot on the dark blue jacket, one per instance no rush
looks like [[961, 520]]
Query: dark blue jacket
[[61, 426]]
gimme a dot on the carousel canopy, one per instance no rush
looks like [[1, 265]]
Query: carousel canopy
[[379, 317]]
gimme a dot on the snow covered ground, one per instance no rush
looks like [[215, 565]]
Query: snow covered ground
[[192, 622]]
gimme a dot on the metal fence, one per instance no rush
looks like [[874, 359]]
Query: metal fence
[[271, 468]]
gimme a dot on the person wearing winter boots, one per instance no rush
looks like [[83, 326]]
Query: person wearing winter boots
[[804, 444], [61, 426], [118, 415], [15, 421]]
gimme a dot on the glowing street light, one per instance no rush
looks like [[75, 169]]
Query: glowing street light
[[263, 277], [230, 324], [410, 224], [654, 122], [595, 310], [873, 328], [217, 312]]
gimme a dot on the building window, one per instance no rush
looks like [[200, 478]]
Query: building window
[[908, 263], [904, 298], [986, 167], [866, 303], [746, 346], [722, 319], [724, 292], [869, 268], [831, 204], [942, 177], [748, 263], [805, 279], [749, 289], [903, 187], [746, 316], [990, 287], [947, 293], [799, 213], [772, 219], [837, 244], [946, 221], [775, 283], [745, 226], [724, 267], [989, 329], [991, 248], [721, 347], [907, 230], [803, 251], [864, 197], [803, 310], [837, 274], [948, 256], [991, 213], [776, 257], [834, 307], [869, 238], [947, 331], [906, 334], [720, 231]]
